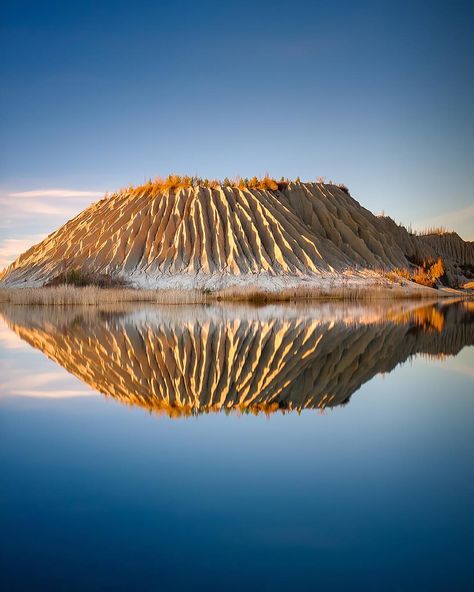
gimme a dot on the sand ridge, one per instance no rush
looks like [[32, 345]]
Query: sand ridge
[[227, 234]]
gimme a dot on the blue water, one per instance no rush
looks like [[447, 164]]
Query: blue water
[[377, 494]]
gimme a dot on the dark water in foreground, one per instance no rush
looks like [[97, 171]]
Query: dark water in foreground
[[276, 448]]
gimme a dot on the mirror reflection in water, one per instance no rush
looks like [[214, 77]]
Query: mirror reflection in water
[[324, 446], [187, 360]]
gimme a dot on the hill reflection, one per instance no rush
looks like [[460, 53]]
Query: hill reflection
[[190, 360]]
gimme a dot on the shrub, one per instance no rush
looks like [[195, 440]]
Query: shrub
[[268, 183], [81, 278], [426, 274]]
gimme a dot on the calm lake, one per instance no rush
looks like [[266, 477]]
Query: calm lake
[[315, 447]]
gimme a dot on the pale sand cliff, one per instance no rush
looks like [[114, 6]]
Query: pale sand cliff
[[189, 360], [309, 234]]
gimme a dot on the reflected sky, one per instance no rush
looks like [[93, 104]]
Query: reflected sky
[[372, 494]]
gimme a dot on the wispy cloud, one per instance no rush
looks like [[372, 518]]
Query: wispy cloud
[[33, 377], [461, 364], [27, 213], [49, 394], [57, 193], [45, 385], [22, 204], [26, 207], [11, 248], [9, 339], [462, 219]]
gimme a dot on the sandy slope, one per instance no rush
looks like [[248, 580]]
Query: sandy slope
[[203, 237], [186, 360]]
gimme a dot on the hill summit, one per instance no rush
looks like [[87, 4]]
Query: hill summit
[[176, 234]]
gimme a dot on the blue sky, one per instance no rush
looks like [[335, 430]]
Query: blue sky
[[96, 95]]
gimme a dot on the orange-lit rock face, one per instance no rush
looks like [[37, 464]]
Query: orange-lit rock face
[[189, 360]]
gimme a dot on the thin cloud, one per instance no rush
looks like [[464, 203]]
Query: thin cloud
[[25, 212], [11, 248], [44, 208], [54, 193], [56, 203], [463, 217], [48, 394], [9, 339], [460, 366], [26, 208], [45, 385], [53, 384]]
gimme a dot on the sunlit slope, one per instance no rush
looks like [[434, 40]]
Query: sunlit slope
[[187, 361], [189, 236]]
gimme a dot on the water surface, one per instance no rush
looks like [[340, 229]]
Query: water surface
[[282, 448]]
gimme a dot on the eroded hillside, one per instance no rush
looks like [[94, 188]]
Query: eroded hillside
[[215, 237]]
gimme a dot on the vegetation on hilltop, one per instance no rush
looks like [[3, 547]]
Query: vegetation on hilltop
[[430, 230], [174, 182]]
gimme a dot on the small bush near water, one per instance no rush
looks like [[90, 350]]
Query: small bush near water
[[428, 273], [81, 278]]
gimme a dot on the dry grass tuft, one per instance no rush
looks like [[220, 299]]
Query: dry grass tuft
[[306, 293], [82, 278], [344, 188], [428, 273], [174, 182], [93, 295], [430, 231]]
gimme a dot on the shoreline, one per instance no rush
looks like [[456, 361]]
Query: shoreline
[[91, 295]]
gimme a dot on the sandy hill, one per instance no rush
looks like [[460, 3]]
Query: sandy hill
[[183, 360], [215, 237]]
